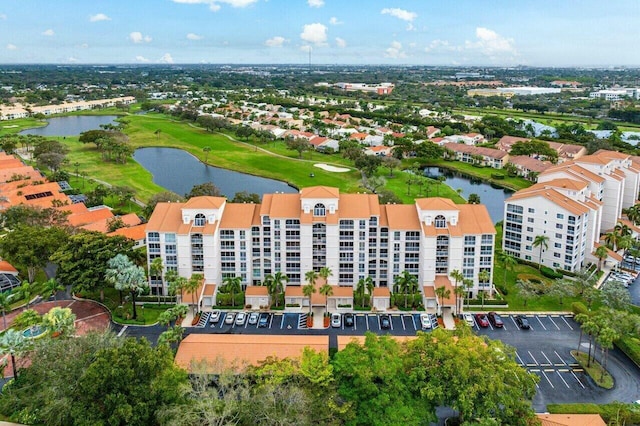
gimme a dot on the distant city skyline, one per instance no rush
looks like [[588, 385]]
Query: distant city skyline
[[541, 33]]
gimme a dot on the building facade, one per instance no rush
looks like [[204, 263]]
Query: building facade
[[351, 234]]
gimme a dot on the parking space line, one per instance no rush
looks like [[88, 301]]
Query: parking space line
[[403, 326], [547, 358], [538, 318], [563, 380], [390, 322], [565, 321], [514, 321], [355, 323], [490, 326], [535, 371], [520, 359], [282, 323], [366, 318], [413, 319], [222, 320], [576, 377], [547, 377], [271, 320], [560, 358], [533, 358], [553, 322]]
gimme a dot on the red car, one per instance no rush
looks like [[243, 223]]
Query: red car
[[496, 320], [482, 320]]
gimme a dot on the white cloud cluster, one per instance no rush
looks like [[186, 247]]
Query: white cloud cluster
[[405, 15], [315, 34], [137, 37], [192, 36], [276, 41], [11, 46], [315, 3], [491, 44], [214, 5], [395, 51], [99, 17], [48, 33], [142, 59], [441, 45], [341, 43], [166, 59], [334, 21]]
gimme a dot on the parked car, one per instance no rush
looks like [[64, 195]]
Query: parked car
[[241, 317], [336, 320], [215, 317], [468, 318], [348, 320], [425, 321], [522, 322], [253, 318], [263, 321], [495, 320], [229, 317], [385, 322], [482, 320]]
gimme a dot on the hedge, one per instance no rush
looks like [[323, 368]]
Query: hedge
[[615, 411], [491, 302], [550, 273], [631, 347], [579, 308]]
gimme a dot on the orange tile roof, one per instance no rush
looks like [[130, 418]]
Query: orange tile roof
[[358, 206], [90, 216], [343, 341], [341, 291], [436, 203], [593, 159], [28, 171], [204, 203], [612, 254], [381, 292], [166, 217], [574, 170], [555, 197], [136, 233], [256, 290], [7, 267], [244, 349], [611, 154], [238, 216], [281, 206], [320, 192], [402, 216], [571, 420], [293, 291], [209, 289], [429, 291], [443, 281], [474, 219]]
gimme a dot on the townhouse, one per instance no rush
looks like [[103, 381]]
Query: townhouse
[[21, 111], [477, 155], [352, 234]]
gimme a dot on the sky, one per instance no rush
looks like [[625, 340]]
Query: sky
[[560, 33]]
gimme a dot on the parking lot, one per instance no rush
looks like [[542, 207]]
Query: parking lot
[[277, 323]]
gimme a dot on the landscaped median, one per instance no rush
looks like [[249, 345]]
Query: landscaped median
[[597, 372]]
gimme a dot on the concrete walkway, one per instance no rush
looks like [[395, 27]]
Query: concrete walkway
[[318, 318], [447, 319]]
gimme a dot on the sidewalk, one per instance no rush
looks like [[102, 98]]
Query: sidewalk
[[447, 319]]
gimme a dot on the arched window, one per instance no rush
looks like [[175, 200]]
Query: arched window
[[440, 221], [199, 220], [319, 210]]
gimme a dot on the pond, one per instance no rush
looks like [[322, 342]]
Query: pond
[[72, 125], [178, 171], [492, 197]]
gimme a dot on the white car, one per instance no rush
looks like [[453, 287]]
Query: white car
[[336, 320], [425, 321], [468, 318], [253, 318], [241, 318], [215, 317], [229, 317]]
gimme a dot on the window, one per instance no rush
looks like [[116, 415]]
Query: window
[[558, 235], [319, 210], [531, 210], [530, 220], [559, 216], [199, 220], [440, 221], [169, 238], [558, 226], [154, 237], [557, 245], [529, 238], [529, 228], [469, 240], [226, 234]]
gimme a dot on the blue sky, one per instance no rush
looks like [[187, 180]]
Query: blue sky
[[422, 32]]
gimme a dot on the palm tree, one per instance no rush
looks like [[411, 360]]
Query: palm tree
[[605, 339], [370, 286], [311, 277], [484, 277], [580, 318], [633, 214], [404, 283], [622, 229], [233, 285], [326, 290], [5, 304], [60, 320], [12, 342], [155, 270], [611, 239], [591, 328], [50, 288], [601, 253], [25, 291], [541, 241], [360, 288], [207, 150], [308, 290], [508, 263], [325, 273], [442, 293], [457, 276], [192, 287]]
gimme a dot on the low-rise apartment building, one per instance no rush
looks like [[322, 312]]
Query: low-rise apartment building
[[351, 234]]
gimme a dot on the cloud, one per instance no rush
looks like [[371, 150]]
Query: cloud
[[166, 59], [192, 36], [491, 44], [214, 5], [441, 45], [405, 15], [315, 3], [340, 42], [276, 41], [11, 46], [137, 37], [72, 59], [315, 33], [48, 33], [99, 17], [395, 51], [84, 46], [3, 16], [334, 21], [141, 59], [306, 48]]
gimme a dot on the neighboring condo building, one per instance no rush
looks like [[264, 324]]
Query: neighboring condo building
[[352, 234], [572, 204]]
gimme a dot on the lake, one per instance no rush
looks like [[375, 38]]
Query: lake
[[71, 125], [492, 198], [178, 171]]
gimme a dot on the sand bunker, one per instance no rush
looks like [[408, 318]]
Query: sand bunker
[[331, 168]]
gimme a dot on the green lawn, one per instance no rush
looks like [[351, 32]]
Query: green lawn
[[595, 370], [483, 173], [146, 316]]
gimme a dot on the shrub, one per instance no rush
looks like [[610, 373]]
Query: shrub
[[631, 347], [550, 273], [502, 288], [579, 308], [498, 176], [478, 302], [293, 305]]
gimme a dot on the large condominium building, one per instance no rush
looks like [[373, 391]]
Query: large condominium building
[[352, 234], [572, 204]]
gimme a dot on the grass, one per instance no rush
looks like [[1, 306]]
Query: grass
[[147, 316], [599, 375], [484, 173]]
